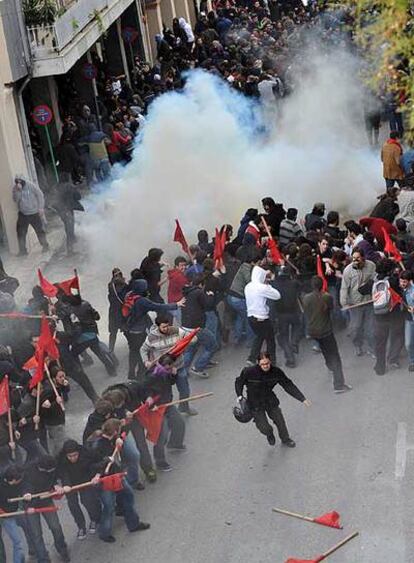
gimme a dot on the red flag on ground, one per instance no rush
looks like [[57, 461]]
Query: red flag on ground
[[276, 255], [4, 396], [330, 519], [46, 340], [151, 420], [70, 286], [113, 482], [390, 247], [180, 238], [40, 369], [49, 290], [182, 344], [396, 298], [320, 272]]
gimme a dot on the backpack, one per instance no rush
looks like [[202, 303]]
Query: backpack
[[381, 297], [129, 302]]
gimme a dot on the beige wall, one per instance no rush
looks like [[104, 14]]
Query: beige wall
[[154, 21], [12, 157]]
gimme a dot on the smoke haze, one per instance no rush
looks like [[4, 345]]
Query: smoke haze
[[204, 158]]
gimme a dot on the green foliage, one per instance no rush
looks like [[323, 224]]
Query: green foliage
[[39, 12]]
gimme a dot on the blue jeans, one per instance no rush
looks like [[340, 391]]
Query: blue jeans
[[35, 530], [207, 345], [183, 385], [241, 326], [213, 325], [130, 458], [15, 534], [126, 501], [409, 340]]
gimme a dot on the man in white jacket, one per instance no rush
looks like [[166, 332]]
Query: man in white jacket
[[257, 292]]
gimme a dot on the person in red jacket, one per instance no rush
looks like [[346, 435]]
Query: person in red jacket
[[375, 225], [176, 282]]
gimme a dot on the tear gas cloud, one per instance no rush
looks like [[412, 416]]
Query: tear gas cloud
[[206, 155]]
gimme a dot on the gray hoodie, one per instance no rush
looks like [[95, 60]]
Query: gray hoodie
[[29, 198]]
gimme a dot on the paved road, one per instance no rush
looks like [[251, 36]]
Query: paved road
[[215, 506]]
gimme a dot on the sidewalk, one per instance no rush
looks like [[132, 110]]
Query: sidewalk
[[24, 268]]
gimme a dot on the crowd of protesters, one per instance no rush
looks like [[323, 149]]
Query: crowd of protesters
[[323, 275]]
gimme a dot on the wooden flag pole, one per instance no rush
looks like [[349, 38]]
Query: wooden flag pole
[[110, 463], [293, 514], [180, 401], [60, 401], [37, 405], [338, 546], [11, 435], [348, 307]]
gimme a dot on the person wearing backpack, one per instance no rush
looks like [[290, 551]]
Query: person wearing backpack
[[407, 286], [388, 317], [135, 312], [355, 289]]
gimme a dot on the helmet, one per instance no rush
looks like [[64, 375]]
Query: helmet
[[242, 412]]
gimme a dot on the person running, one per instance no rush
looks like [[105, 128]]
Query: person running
[[259, 381]]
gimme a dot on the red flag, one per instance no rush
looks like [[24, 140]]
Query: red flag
[[4, 396], [46, 341], [218, 246], [396, 298], [330, 519], [182, 344], [390, 247], [40, 369], [31, 364], [276, 255], [321, 273], [180, 238], [113, 482], [49, 290], [151, 420], [70, 286]]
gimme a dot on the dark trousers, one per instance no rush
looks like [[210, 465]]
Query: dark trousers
[[276, 415], [68, 220], [73, 369], [388, 329], [173, 430], [135, 364], [23, 222], [289, 333], [125, 500], [35, 526], [263, 332], [145, 459], [90, 500], [96, 348], [330, 352]]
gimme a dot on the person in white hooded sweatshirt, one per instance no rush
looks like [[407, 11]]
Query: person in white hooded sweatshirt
[[257, 292]]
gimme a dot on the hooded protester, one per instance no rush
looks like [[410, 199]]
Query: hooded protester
[[137, 306], [257, 292], [116, 292], [203, 242], [253, 233], [316, 217], [250, 215], [188, 32], [31, 211], [151, 268], [274, 214]]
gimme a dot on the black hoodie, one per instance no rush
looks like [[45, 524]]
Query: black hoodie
[[193, 315]]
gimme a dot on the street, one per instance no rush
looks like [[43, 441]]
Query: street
[[215, 506]]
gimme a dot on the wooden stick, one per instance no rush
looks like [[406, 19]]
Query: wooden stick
[[338, 545], [348, 307], [37, 405], [23, 316], [11, 435], [110, 463], [294, 514], [266, 226], [179, 401], [60, 403]]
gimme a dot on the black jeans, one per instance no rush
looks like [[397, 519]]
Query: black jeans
[[289, 333], [275, 414], [23, 222], [73, 369], [145, 459], [135, 341], [95, 346], [330, 352], [263, 332], [90, 500], [390, 328], [173, 431]]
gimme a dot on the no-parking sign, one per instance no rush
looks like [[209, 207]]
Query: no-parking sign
[[42, 115]]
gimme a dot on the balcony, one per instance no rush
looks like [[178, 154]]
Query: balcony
[[55, 48]]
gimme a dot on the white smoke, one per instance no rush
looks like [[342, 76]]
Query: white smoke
[[203, 159]]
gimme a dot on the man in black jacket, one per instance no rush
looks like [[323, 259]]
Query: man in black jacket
[[260, 381], [39, 477], [198, 301], [74, 467]]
